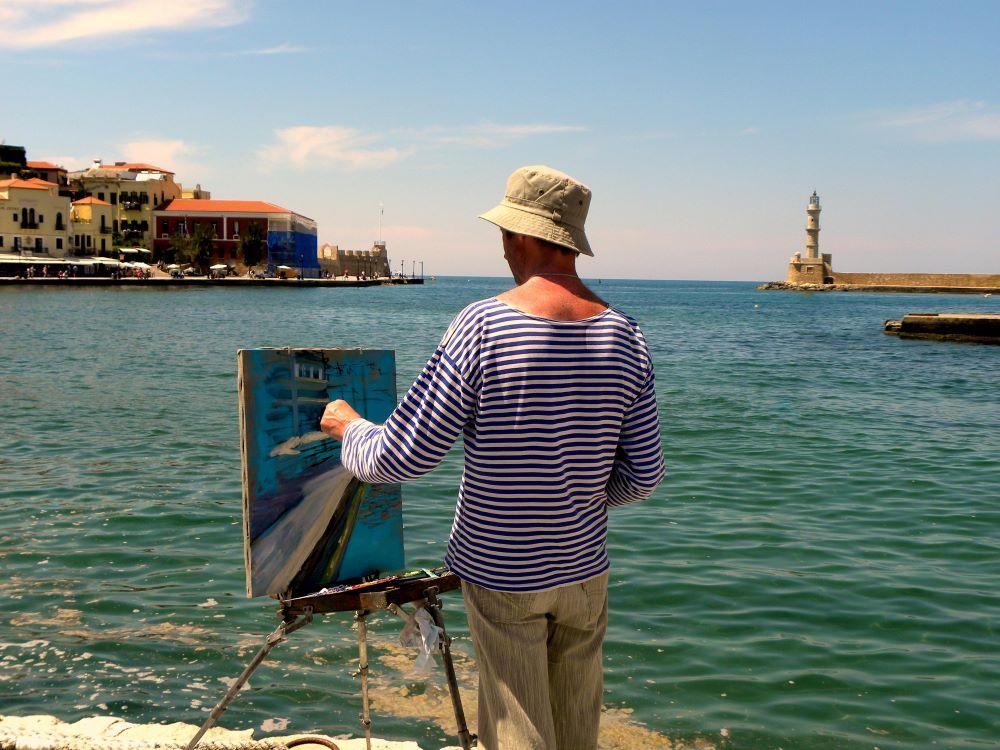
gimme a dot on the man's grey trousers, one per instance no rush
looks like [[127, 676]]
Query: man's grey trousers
[[539, 654]]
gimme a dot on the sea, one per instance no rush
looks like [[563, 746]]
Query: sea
[[820, 569]]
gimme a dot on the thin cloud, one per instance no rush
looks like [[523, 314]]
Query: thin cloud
[[310, 146], [750, 131], [961, 120], [172, 154], [69, 163], [28, 24], [177, 155], [487, 135], [278, 49]]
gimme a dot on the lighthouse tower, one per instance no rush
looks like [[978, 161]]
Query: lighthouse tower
[[812, 268], [812, 227]]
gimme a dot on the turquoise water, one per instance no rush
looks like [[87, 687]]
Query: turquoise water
[[820, 569]]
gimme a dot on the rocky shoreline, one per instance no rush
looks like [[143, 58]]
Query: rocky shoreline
[[784, 286]]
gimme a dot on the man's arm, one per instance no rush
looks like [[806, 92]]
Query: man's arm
[[418, 433], [638, 467]]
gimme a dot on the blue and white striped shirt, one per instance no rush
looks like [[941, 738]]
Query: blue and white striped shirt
[[560, 422]]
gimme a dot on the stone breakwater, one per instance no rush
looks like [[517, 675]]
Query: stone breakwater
[[43, 732], [887, 288]]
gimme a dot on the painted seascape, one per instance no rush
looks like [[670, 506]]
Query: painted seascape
[[307, 522]]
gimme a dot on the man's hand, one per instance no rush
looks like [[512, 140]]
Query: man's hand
[[336, 417]]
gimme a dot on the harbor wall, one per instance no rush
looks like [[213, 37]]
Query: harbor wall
[[974, 280]]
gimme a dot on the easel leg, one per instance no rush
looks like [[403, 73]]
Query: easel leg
[[270, 642], [366, 720], [433, 606]]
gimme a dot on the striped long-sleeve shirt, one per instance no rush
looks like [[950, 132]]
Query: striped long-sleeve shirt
[[560, 422]]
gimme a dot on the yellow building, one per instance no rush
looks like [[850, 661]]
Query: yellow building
[[134, 191], [34, 218], [91, 226]]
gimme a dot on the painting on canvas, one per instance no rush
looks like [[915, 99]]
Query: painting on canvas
[[307, 522]]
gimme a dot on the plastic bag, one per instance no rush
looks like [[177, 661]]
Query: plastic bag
[[424, 637]]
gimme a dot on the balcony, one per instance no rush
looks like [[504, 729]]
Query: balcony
[[130, 205], [29, 225], [105, 230]]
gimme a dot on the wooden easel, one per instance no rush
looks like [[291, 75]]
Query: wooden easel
[[385, 594]]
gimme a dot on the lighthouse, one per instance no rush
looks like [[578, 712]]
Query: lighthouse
[[811, 268], [812, 227]]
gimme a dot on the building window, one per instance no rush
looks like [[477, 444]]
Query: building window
[[309, 371], [38, 243], [114, 226], [103, 246], [1, 240], [90, 241], [236, 229], [40, 218], [58, 243], [114, 199], [100, 196]]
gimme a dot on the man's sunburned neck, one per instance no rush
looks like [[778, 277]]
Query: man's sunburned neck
[[553, 296], [547, 282]]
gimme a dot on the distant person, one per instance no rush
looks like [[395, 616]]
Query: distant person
[[553, 391]]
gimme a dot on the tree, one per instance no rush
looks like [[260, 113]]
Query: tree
[[201, 246], [253, 248], [179, 248]]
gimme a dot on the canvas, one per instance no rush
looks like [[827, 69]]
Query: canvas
[[307, 522]]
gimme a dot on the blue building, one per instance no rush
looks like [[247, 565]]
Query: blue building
[[291, 237]]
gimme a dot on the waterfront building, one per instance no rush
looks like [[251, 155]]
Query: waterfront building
[[34, 218], [49, 172], [337, 262], [91, 226], [195, 193], [134, 190], [290, 236]]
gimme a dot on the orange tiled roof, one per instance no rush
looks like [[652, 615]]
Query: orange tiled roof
[[206, 205], [133, 166], [33, 184], [45, 165], [90, 201]]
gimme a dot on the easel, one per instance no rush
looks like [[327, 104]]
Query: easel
[[386, 594]]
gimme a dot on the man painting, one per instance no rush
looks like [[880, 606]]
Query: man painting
[[553, 391]]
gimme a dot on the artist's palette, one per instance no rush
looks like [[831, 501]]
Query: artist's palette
[[307, 523]]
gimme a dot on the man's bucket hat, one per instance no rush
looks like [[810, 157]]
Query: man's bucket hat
[[545, 203]]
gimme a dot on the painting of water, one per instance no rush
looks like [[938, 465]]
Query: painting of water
[[307, 522]]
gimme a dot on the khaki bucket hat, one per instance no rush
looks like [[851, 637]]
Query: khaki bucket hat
[[543, 202]]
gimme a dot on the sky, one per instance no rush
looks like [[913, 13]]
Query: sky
[[701, 128]]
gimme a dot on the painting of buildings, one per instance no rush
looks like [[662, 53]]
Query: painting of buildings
[[307, 522]]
